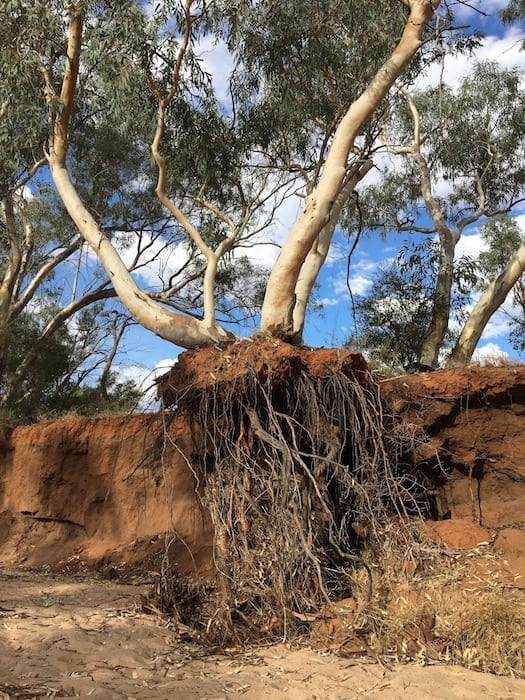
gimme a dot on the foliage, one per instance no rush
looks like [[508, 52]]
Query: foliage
[[391, 320], [513, 10], [64, 374], [473, 138], [233, 152], [457, 158]]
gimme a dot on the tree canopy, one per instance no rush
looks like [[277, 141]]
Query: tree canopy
[[116, 132], [458, 160]]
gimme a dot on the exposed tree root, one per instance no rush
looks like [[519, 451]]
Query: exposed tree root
[[299, 466]]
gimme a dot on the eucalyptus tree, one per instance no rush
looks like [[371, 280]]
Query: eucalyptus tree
[[392, 317], [41, 250], [457, 160], [503, 237], [300, 113], [514, 11]]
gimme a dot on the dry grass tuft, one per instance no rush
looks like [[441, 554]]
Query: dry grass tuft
[[488, 634], [432, 603]]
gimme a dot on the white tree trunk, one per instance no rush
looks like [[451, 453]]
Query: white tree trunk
[[279, 301], [492, 299], [176, 328], [317, 255]]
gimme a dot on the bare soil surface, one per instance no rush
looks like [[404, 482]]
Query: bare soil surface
[[86, 637]]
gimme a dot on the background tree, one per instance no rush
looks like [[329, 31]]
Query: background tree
[[504, 237], [392, 318], [464, 164]]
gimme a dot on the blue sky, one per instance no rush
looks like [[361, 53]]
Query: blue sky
[[143, 355]]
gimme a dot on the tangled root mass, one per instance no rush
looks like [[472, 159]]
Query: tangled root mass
[[299, 462]]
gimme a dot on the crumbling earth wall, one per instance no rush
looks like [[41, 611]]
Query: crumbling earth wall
[[100, 490], [473, 424], [108, 489]]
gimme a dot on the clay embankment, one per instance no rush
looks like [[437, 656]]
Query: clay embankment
[[107, 489], [100, 490], [473, 422]]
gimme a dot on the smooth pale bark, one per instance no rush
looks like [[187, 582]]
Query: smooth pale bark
[[176, 328], [489, 303], [279, 302], [10, 276], [317, 255], [15, 257], [441, 300], [209, 321]]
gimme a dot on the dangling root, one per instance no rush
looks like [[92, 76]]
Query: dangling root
[[293, 468]]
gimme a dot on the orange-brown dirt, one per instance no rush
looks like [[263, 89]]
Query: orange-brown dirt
[[84, 501]]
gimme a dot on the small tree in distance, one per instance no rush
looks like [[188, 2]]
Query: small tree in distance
[[392, 318], [455, 165]]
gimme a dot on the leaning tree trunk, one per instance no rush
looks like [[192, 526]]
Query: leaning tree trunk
[[7, 283], [317, 255], [279, 301], [176, 328], [492, 299]]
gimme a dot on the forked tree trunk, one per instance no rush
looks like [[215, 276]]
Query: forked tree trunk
[[278, 307], [176, 328], [319, 251], [279, 301], [491, 300]]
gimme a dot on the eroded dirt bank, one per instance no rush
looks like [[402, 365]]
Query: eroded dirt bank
[[107, 489], [472, 423], [100, 490], [114, 494]]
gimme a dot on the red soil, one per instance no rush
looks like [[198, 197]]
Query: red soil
[[107, 489]]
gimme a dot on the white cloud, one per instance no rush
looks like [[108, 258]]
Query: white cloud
[[140, 183], [218, 62], [145, 377], [489, 353], [504, 50], [158, 261], [471, 245], [329, 301], [359, 284], [27, 193], [497, 327]]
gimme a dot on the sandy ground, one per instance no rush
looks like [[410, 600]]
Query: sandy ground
[[83, 637]]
